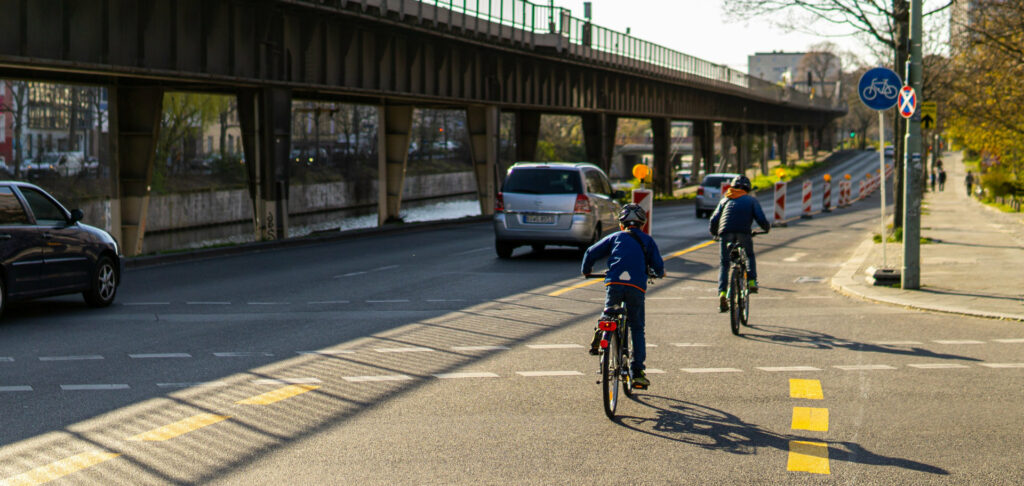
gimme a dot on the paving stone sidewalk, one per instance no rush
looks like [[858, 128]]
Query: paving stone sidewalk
[[975, 267]]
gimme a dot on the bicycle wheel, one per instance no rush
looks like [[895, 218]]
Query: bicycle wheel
[[734, 300], [627, 362], [610, 374], [745, 299]]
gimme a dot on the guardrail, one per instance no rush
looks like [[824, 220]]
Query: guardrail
[[545, 26]]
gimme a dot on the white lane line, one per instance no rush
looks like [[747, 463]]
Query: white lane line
[[207, 303], [654, 371], [328, 352], [241, 354], [650, 345], [267, 303], [449, 376], [691, 345], [796, 257], [962, 341], [286, 381], [864, 367], [350, 274], [193, 384], [71, 358], [446, 300], [364, 272], [479, 348], [15, 388], [467, 252], [327, 302], [1002, 365], [387, 301], [896, 343], [359, 379], [937, 366], [6, 359], [712, 370], [553, 346], [548, 373], [96, 387], [146, 303], [159, 355], [411, 349], [815, 297], [788, 368], [1014, 340], [666, 298]]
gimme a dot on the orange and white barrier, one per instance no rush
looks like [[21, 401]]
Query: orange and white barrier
[[861, 191], [826, 197], [807, 193], [780, 203]]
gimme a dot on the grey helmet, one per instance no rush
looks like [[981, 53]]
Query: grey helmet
[[632, 215]]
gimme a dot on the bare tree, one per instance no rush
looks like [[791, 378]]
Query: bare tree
[[15, 103], [824, 64]]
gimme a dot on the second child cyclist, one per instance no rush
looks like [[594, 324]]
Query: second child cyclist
[[630, 252], [731, 222]]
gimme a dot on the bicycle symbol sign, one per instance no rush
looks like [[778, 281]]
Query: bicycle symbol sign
[[879, 88]]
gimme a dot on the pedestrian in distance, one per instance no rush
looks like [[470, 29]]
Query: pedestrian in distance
[[969, 182], [942, 179], [630, 253], [933, 180]]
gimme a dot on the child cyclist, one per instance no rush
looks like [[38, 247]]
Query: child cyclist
[[630, 252]]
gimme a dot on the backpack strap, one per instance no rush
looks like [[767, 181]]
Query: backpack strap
[[642, 247]]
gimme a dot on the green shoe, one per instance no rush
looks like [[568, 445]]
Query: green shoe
[[723, 302], [752, 286], [640, 380]]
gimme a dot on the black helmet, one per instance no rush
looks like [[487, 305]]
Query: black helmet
[[741, 182], [632, 215]]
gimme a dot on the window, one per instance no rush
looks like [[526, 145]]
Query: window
[[543, 181], [11, 211], [47, 213]]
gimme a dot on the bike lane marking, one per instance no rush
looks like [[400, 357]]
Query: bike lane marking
[[58, 469], [809, 389], [810, 418], [805, 456], [808, 456]]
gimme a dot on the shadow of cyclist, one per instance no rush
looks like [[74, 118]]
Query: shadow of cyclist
[[807, 339]]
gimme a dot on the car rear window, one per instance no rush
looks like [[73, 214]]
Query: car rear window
[[715, 181], [543, 181]]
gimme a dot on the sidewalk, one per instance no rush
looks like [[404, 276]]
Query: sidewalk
[[973, 268]]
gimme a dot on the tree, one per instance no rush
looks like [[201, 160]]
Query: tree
[[15, 103], [823, 62], [184, 116]]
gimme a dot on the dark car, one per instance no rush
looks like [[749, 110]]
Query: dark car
[[46, 251]]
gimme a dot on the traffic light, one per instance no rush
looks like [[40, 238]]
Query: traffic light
[[853, 134]]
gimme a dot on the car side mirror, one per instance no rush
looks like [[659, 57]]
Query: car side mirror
[[618, 194], [76, 215]]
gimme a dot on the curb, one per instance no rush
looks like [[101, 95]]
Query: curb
[[844, 282]]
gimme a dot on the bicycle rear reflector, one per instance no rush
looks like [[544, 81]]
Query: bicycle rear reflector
[[604, 344], [607, 325]]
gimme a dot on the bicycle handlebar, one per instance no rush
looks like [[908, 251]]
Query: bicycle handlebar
[[595, 275]]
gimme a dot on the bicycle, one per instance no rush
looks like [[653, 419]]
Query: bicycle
[[737, 292], [616, 355], [884, 88]]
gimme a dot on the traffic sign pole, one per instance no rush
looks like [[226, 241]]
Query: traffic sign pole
[[879, 90], [911, 274], [881, 163]]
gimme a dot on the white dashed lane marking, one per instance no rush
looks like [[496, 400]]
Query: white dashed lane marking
[[267, 303], [211, 384], [897, 343], [1002, 365], [864, 367], [328, 302], [87, 357], [6, 359], [328, 352], [937, 366], [548, 373], [479, 348], [159, 355], [16, 388], [95, 387], [1015, 340], [146, 303], [960, 341], [241, 354], [796, 257], [387, 301], [207, 303]]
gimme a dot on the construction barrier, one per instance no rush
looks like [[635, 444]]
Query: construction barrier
[[807, 192], [780, 203], [645, 198], [826, 197], [861, 191], [843, 193]]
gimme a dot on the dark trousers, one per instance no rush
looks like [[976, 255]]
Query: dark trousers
[[634, 300], [747, 243]]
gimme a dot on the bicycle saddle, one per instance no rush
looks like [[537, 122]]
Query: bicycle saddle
[[613, 312]]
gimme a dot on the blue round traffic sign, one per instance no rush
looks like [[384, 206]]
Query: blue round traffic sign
[[879, 88]]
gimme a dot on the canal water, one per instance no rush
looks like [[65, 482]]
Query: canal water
[[301, 225]]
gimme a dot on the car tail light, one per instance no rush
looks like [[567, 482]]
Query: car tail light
[[582, 204], [700, 190], [607, 325], [499, 203]]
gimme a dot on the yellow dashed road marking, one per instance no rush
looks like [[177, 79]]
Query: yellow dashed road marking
[[59, 469], [277, 395], [806, 418], [810, 389], [809, 457], [180, 427]]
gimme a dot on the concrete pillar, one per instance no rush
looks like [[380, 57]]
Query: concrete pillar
[[394, 124], [134, 128], [742, 148], [661, 128], [599, 138], [766, 144], [782, 135], [704, 134], [265, 117], [527, 132], [482, 123], [800, 137]]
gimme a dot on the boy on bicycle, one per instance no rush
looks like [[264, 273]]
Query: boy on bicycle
[[731, 222], [630, 253]]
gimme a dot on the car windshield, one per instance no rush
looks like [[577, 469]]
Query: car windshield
[[715, 181], [543, 181]]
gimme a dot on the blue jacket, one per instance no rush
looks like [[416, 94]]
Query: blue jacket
[[736, 213], [626, 264]]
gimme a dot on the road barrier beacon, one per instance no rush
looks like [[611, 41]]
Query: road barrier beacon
[[780, 204], [644, 197]]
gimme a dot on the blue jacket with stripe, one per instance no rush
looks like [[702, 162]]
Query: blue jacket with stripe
[[626, 264]]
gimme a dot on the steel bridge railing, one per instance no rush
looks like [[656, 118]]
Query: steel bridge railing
[[545, 26]]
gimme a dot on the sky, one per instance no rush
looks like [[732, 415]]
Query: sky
[[699, 28]]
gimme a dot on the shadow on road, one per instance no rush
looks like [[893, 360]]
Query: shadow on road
[[803, 338], [718, 430]]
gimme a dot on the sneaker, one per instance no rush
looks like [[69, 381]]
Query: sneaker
[[752, 286], [640, 379], [595, 345], [723, 302]]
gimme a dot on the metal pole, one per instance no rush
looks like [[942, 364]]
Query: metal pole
[[881, 165], [911, 275]]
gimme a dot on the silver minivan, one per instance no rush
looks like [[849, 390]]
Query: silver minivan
[[709, 192], [554, 203]]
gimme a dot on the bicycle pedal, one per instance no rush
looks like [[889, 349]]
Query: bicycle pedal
[[639, 387]]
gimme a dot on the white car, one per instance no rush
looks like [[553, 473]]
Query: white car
[[710, 192]]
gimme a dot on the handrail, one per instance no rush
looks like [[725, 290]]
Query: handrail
[[545, 26]]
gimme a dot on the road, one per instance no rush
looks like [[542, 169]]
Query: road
[[422, 358]]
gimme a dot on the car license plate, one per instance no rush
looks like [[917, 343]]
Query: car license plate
[[539, 218]]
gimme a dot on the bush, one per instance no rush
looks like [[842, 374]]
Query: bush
[[999, 183]]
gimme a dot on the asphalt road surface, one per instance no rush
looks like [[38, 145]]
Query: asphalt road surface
[[421, 358]]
